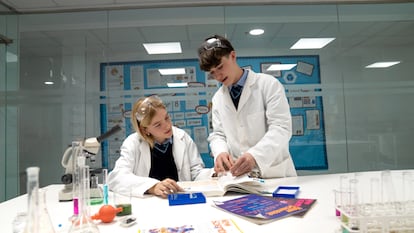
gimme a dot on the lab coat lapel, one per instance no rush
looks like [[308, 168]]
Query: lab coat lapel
[[145, 156], [228, 103], [245, 95], [178, 150]]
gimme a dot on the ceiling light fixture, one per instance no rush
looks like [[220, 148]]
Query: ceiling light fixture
[[256, 32], [275, 67], [384, 64], [177, 84], [163, 48], [312, 43], [172, 71]]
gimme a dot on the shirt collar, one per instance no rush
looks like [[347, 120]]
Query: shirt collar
[[168, 140], [242, 79]]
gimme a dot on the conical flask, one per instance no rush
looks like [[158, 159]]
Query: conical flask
[[83, 222], [44, 217], [38, 219], [96, 192]]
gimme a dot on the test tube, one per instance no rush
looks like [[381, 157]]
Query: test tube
[[387, 191], [76, 147], [362, 193], [353, 204], [408, 191], [344, 192], [374, 206], [105, 186], [375, 196], [353, 191]]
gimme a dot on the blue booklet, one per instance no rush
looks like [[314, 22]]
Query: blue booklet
[[258, 209]]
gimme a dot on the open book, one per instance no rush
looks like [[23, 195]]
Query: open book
[[218, 186]]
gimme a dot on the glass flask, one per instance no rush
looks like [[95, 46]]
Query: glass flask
[[96, 192], [38, 219], [83, 222]]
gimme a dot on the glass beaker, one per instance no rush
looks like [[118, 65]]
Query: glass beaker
[[123, 199]]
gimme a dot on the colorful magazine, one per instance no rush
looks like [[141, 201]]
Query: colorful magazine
[[213, 226], [258, 209], [304, 203]]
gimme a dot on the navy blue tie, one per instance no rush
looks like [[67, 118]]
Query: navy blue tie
[[235, 93]]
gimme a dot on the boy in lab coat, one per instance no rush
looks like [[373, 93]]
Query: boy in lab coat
[[251, 118]]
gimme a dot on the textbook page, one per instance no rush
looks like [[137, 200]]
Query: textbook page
[[218, 186]]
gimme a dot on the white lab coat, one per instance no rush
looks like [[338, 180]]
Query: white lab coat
[[131, 171], [262, 125]]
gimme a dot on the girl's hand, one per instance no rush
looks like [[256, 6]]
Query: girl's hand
[[165, 187]]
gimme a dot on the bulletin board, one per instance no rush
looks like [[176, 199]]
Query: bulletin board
[[123, 82], [302, 84]]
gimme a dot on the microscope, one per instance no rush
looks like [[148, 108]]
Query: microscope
[[88, 148]]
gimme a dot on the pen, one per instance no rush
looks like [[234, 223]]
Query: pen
[[260, 180]]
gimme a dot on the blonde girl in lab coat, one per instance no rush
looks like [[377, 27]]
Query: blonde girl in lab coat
[[156, 156], [252, 126]]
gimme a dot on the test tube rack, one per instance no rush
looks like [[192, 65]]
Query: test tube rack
[[376, 202], [390, 221]]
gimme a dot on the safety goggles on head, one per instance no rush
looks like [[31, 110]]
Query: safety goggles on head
[[146, 105], [213, 43]]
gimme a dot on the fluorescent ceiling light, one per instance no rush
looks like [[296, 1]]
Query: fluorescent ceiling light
[[172, 71], [163, 48], [177, 84], [312, 43], [385, 64], [49, 83], [256, 32], [280, 67]]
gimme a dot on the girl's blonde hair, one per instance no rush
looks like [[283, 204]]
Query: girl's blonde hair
[[143, 111]]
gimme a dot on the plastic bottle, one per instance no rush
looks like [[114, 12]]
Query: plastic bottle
[[38, 219]]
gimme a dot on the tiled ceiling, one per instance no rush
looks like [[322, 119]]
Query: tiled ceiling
[[123, 32], [31, 6]]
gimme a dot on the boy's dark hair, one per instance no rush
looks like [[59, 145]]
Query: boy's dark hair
[[212, 50]]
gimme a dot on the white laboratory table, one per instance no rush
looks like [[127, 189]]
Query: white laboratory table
[[152, 211]]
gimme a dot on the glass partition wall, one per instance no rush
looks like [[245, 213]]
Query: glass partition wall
[[9, 78], [365, 113]]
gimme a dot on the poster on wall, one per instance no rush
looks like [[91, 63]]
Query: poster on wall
[[124, 82], [307, 145]]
